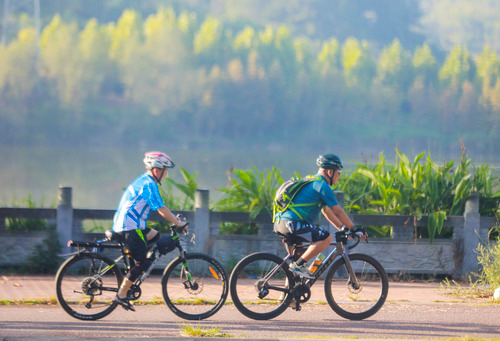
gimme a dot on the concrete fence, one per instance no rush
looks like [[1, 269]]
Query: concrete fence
[[401, 253]]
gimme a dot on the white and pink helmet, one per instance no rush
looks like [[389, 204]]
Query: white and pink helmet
[[157, 160]]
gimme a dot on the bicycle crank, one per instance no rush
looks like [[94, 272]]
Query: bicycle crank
[[134, 292], [301, 293]]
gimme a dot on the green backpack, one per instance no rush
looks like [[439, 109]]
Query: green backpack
[[283, 200]]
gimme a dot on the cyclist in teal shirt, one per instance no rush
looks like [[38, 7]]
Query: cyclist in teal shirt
[[299, 221]]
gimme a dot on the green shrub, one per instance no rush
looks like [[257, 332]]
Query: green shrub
[[45, 259]]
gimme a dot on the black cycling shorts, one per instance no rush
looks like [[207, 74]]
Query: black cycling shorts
[[136, 242], [308, 232]]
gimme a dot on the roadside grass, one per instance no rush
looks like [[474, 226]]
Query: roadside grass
[[483, 283], [188, 330], [30, 301]]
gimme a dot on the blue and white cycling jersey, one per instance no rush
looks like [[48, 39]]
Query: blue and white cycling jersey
[[136, 203]]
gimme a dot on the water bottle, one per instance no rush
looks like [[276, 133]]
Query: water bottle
[[317, 262]]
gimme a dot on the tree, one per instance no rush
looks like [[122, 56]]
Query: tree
[[329, 56], [457, 67], [93, 48], [425, 64], [394, 67], [61, 62], [18, 71], [357, 63]]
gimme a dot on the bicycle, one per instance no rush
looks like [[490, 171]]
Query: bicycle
[[194, 285], [356, 285]]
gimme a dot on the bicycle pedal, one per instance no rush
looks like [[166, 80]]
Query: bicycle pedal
[[297, 307]]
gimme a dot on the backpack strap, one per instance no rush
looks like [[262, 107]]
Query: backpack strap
[[291, 206]]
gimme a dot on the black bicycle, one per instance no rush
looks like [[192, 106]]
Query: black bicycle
[[356, 285], [194, 285]]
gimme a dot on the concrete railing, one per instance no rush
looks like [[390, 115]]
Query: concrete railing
[[401, 253]]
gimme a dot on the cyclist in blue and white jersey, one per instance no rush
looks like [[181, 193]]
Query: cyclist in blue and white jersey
[[140, 198]]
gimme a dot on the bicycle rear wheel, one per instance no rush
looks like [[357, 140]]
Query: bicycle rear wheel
[[356, 301], [256, 291], [86, 285], [194, 290]]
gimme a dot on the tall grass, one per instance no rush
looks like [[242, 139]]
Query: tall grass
[[25, 224]]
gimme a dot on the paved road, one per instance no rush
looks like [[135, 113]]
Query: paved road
[[413, 310], [396, 320]]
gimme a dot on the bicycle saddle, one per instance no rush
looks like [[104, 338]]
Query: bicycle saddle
[[112, 235]]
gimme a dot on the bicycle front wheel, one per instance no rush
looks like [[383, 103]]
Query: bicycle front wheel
[[86, 285], [358, 294], [259, 286], [196, 289]]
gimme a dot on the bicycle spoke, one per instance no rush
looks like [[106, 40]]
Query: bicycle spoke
[[361, 294], [196, 291], [83, 291], [258, 286]]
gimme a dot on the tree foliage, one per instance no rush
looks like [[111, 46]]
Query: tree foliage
[[140, 79]]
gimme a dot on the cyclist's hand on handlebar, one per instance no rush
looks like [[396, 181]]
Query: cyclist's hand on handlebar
[[181, 225], [360, 231]]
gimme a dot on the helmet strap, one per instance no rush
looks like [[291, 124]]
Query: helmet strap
[[161, 176]]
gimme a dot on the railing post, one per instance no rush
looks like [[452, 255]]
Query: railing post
[[471, 237], [339, 195], [64, 218], [202, 220]]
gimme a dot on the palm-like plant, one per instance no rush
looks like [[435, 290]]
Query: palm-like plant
[[251, 191]]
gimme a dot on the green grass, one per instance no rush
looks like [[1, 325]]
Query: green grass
[[188, 330]]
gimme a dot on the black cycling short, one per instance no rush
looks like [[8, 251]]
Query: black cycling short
[[302, 229], [136, 242]]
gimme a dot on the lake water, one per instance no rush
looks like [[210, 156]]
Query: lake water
[[99, 175]]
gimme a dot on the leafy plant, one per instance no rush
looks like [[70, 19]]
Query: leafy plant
[[188, 191], [419, 188], [251, 191]]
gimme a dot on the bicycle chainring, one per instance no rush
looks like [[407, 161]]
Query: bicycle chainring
[[134, 293], [301, 293]]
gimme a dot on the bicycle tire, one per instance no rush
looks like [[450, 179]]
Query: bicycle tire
[[82, 292], [246, 286], [356, 303], [207, 296]]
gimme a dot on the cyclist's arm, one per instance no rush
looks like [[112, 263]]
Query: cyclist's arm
[[337, 216], [169, 216]]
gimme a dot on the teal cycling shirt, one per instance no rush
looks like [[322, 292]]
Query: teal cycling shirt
[[142, 196], [318, 192]]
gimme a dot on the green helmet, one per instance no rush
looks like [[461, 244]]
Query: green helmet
[[329, 161]]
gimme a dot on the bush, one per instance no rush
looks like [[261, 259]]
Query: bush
[[45, 259]]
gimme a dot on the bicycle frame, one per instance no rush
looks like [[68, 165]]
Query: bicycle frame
[[339, 250]]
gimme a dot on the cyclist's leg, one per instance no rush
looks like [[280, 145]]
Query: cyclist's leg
[[317, 236], [135, 241]]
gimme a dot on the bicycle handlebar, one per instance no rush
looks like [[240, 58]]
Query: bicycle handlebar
[[343, 236]]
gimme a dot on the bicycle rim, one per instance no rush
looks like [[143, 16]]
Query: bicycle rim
[[86, 285], [197, 292], [356, 301], [255, 292]]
